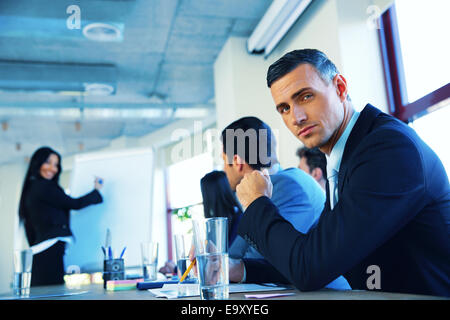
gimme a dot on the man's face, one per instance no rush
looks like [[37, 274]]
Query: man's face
[[232, 172], [311, 109]]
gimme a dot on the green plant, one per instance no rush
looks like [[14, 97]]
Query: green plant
[[183, 213]]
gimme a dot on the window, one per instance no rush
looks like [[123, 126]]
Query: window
[[183, 187], [415, 52], [415, 49], [434, 130], [425, 52]]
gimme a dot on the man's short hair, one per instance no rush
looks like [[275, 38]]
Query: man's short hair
[[251, 139], [291, 60], [314, 159]]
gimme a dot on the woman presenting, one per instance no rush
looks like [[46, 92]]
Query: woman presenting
[[44, 210]]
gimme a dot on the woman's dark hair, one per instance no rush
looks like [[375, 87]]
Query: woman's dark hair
[[37, 159], [218, 198]]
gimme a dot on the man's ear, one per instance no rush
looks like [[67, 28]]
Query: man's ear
[[238, 162], [341, 86], [317, 174]]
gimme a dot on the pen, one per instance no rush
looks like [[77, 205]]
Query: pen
[[108, 238], [123, 251], [110, 253], [104, 252], [188, 270]]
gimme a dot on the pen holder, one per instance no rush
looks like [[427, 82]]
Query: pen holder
[[113, 269]]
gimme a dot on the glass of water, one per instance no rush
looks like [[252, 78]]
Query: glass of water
[[211, 252], [23, 262], [182, 246], [149, 251]]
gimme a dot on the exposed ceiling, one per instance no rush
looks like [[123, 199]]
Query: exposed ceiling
[[159, 68]]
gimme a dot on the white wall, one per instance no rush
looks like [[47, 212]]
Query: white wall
[[11, 179], [337, 27], [243, 92]]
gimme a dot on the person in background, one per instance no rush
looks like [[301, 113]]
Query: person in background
[[218, 201], [314, 163], [44, 210]]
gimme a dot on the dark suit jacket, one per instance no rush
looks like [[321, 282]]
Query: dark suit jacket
[[393, 212], [48, 210]]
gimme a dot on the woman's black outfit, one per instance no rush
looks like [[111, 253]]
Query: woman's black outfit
[[48, 217]]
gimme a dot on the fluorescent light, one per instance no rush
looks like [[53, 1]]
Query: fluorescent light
[[191, 112], [89, 114], [276, 22]]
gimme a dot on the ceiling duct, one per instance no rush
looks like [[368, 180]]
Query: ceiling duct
[[58, 78]]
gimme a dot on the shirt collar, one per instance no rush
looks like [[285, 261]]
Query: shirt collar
[[335, 157], [274, 168]]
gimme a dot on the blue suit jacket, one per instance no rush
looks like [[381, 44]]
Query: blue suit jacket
[[393, 212]]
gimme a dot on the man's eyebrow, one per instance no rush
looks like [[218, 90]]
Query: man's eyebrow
[[296, 94], [299, 92]]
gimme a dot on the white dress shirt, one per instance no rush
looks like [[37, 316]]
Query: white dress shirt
[[335, 157]]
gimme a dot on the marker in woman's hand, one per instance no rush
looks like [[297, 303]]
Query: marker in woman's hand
[[98, 183]]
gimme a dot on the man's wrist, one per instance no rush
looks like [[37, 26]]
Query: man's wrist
[[237, 271], [244, 276]]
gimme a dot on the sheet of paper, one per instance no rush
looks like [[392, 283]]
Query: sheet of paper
[[268, 295], [174, 290]]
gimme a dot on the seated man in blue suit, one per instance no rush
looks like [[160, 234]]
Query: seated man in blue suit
[[386, 223], [248, 144]]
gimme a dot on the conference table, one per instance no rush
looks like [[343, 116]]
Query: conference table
[[97, 292]]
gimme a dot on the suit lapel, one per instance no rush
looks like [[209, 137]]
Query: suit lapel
[[362, 126]]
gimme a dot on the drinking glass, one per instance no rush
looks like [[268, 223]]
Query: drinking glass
[[149, 251], [211, 252]]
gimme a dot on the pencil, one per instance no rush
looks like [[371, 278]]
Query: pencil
[[188, 270]]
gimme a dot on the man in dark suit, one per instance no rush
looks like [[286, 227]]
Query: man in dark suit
[[386, 222]]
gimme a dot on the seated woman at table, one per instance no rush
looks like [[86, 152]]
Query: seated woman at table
[[218, 201]]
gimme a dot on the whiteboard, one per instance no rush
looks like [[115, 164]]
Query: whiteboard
[[126, 207]]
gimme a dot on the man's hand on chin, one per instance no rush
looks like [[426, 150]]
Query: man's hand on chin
[[254, 185]]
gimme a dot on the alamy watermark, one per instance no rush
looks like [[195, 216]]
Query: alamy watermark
[[74, 20], [374, 280], [373, 21], [251, 145]]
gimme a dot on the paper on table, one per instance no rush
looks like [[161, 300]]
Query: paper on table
[[268, 295], [170, 290]]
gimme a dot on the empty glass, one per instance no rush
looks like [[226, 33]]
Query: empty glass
[[23, 262], [149, 251]]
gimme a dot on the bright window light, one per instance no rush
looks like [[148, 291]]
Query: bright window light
[[184, 180], [423, 32], [184, 189], [433, 128]]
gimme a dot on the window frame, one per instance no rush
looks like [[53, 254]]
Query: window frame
[[394, 74]]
